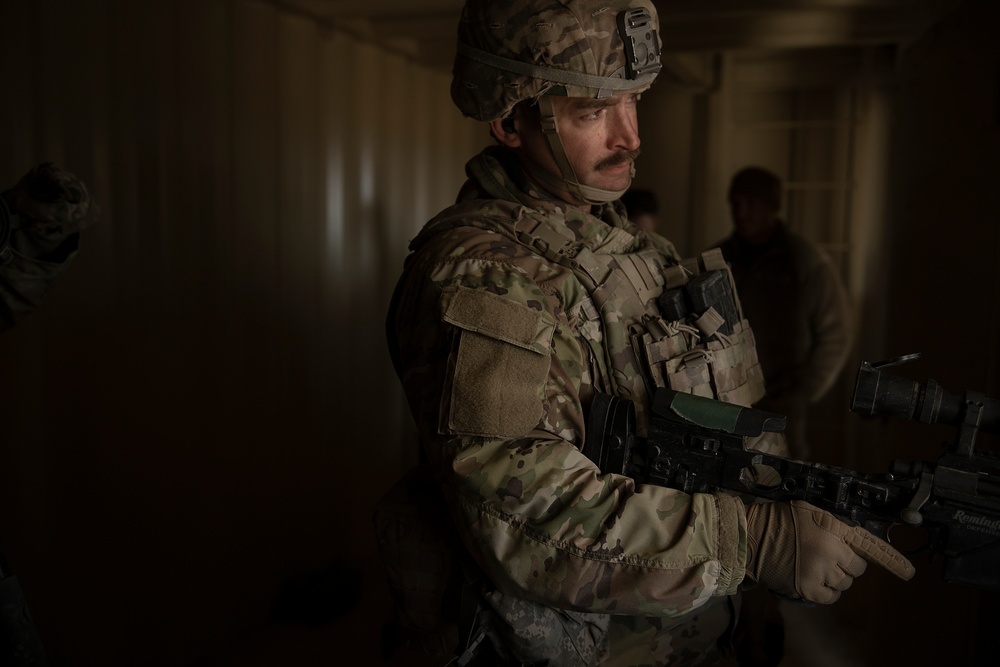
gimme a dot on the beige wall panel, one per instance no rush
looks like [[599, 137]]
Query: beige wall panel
[[193, 415], [335, 92], [252, 249], [298, 223], [16, 120], [426, 102], [868, 282], [396, 211]]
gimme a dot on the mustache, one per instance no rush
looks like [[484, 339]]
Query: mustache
[[619, 158]]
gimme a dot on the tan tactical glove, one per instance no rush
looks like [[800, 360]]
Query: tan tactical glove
[[53, 204], [801, 551]]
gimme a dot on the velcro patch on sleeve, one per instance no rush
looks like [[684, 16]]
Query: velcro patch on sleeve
[[500, 318], [501, 366]]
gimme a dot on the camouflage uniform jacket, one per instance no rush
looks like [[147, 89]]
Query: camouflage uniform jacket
[[500, 353]]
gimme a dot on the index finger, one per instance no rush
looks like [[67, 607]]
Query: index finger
[[880, 552]]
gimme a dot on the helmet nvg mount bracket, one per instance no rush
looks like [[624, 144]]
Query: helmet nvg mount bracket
[[642, 48]]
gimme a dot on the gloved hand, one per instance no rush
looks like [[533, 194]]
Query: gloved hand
[[53, 204], [800, 551]]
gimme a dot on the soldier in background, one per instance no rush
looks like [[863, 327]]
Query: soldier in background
[[514, 309], [40, 222], [793, 297]]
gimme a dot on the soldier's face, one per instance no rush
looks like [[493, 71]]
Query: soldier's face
[[754, 218], [600, 137]]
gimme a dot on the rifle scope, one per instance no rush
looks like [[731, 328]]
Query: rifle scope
[[878, 393]]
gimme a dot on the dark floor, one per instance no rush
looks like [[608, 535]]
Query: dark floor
[[349, 639]]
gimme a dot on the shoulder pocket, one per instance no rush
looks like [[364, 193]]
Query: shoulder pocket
[[500, 366]]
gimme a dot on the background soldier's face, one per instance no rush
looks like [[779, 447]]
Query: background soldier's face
[[754, 218]]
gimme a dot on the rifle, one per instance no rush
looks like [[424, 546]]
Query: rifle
[[696, 445]]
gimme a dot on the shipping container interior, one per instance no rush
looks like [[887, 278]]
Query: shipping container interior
[[200, 418]]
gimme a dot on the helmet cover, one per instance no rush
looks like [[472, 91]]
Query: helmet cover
[[512, 50]]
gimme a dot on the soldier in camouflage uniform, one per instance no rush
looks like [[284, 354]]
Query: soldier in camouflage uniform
[[525, 298], [40, 222]]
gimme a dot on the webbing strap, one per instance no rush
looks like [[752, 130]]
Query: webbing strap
[[592, 266], [550, 240], [569, 182], [555, 75], [713, 259]]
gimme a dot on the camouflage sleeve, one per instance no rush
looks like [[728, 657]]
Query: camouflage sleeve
[[25, 280], [497, 380]]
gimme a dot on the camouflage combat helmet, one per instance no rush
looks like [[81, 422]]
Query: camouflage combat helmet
[[510, 51]]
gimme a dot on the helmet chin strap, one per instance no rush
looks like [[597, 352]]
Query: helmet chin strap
[[569, 181]]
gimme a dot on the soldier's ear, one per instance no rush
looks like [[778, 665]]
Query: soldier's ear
[[505, 131]]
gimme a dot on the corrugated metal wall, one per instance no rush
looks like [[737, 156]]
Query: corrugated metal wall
[[204, 404]]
